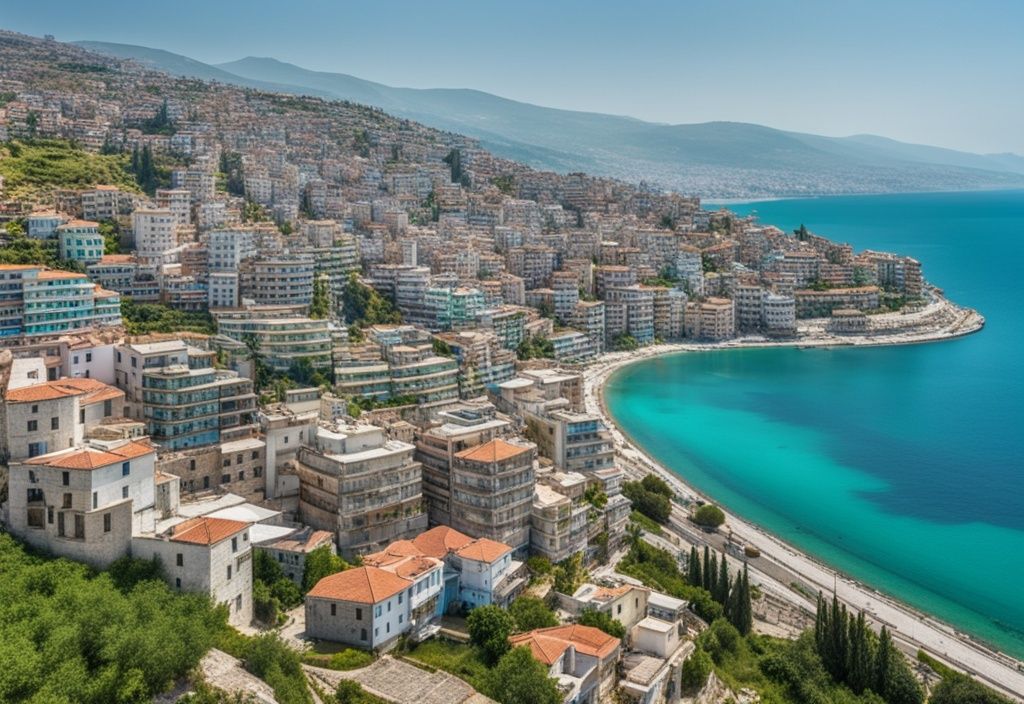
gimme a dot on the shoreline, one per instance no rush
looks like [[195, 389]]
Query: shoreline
[[911, 627]]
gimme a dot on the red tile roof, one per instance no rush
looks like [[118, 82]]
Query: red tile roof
[[364, 585], [440, 540], [91, 457], [586, 639], [91, 390], [496, 450], [205, 530], [484, 550]]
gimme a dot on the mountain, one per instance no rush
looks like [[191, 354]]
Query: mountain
[[716, 159]]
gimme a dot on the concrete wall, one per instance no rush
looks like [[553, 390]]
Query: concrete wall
[[384, 622]]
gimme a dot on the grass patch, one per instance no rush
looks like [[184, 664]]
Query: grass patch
[[459, 659], [343, 659], [648, 524]]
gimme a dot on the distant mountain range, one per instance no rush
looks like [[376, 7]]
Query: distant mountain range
[[714, 159]]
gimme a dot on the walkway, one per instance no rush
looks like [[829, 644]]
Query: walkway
[[402, 683]]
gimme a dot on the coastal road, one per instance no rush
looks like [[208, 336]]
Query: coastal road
[[781, 565]]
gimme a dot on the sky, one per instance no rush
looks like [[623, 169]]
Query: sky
[[943, 72]]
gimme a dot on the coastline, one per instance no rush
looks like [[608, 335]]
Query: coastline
[[911, 628]]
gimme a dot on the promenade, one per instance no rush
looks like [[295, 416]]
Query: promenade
[[780, 564]]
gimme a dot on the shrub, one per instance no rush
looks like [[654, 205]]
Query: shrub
[[709, 515], [489, 628]]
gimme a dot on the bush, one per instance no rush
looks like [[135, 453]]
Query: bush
[[653, 504], [529, 613], [695, 670], [709, 516], [489, 628], [539, 565], [520, 679], [599, 619], [270, 659]]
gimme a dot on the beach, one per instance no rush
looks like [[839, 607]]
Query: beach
[[781, 564]]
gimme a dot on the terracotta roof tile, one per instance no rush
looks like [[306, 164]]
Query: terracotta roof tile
[[91, 457], [586, 639], [205, 530], [543, 648], [91, 390], [440, 540], [364, 585], [496, 450], [484, 550]]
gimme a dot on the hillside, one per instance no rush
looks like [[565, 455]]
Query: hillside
[[716, 159]]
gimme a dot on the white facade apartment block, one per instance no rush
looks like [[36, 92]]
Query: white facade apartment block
[[155, 233]]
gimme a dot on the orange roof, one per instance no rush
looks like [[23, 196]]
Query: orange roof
[[494, 451], [78, 223], [205, 530], [94, 391], [413, 567], [484, 550], [18, 267], [117, 259], [365, 585], [586, 639], [440, 540], [92, 458], [47, 274], [395, 552], [543, 648]]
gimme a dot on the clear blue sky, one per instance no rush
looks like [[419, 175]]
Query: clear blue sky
[[943, 72]]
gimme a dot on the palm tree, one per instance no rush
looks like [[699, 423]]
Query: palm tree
[[260, 371]]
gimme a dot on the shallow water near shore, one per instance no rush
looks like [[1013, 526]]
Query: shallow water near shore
[[901, 466]]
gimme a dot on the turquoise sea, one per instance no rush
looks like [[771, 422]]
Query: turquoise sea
[[901, 466]]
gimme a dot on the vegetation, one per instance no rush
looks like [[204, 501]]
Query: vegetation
[[160, 123], [272, 591], [709, 516], [599, 619], [519, 678], [269, 658], [569, 574], [595, 496], [489, 628], [363, 306], [458, 174], [351, 692], [652, 497], [111, 231], [529, 612], [695, 670], [320, 307], [262, 374], [344, 659], [19, 248], [33, 169], [536, 347], [462, 660], [624, 342], [231, 168], [539, 565], [70, 635], [506, 183], [658, 569], [145, 318], [321, 563], [645, 523]]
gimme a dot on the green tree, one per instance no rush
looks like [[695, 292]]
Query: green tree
[[960, 689], [320, 563], [721, 586], [693, 575], [320, 306], [489, 628], [709, 516], [261, 372], [519, 678], [695, 670], [570, 574], [652, 504], [529, 612], [599, 619]]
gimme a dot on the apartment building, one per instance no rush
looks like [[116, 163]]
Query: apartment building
[[492, 491], [35, 301], [360, 485], [282, 340], [105, 203], [629, 310], [453, 308], [155, 231], [811, 303], [178, 201], [711, 319], [278, 281], [583, 659], [80, 241], [573, 441]]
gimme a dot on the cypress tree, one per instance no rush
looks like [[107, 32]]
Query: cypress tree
[[723, 582], [712, 577], [883, 663], [733, 610], [746, 617], [706, 574], [694, 576]]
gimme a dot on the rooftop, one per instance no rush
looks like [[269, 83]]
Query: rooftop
[[90, 457], [496, 450], [205, 530], [364, 585]]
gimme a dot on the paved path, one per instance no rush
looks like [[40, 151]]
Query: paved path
[[402, 683]]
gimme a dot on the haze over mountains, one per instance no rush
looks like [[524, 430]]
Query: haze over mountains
[[715, 159]]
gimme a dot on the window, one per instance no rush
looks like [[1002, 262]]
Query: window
[[75, 359], [65, 478], [33, 426], [79, 526], [106, 522], [399, 618], [255, 455], [206, 482], [55, 423], [108, 408], [179, 560], [227, 462], [67, 500], [257, 471], [377, 612], [177, 582], [35, 408], [35, 449], [387, 627], [399, 597], [238, 603], [234, 544], [192, 465], [389, 606], [334, 609], [359, 617], [362, 634], [619, 609], [241, 475], [225, 479], [238, 458], [60, 524], [124, 492], [126, 469], [81, 417], [229, 571], [88, 356], [95, 499]]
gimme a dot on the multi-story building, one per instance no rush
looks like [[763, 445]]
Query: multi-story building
[[155, 231], [228, 248], [178, 201], [80, 241], [629, 310], [284, 281], [361, 486], [82, 502], [483, 363], [454, 308], [105, 203], [712, 319], [550, 524], [811, 303], [282, 340], [508, 324], [573, 441], [492, 491], [779, 314], [35, 300], [749, 300], [582, 658], [588, 317], [456, 429]]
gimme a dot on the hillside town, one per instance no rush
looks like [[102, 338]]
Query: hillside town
[[293, 327]]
